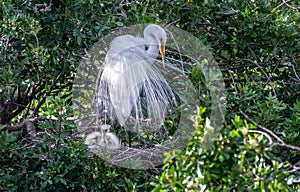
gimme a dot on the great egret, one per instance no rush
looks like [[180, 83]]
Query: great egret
[[130, 86]]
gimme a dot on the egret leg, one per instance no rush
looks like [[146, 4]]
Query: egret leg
[[127, 136]]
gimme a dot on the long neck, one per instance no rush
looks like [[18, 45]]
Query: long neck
[[152, 50]]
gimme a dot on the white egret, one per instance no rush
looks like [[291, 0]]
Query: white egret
[[130, 86]]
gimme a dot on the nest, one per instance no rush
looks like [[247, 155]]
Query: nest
[[142, 142]]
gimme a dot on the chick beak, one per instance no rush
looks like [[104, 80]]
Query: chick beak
[[162, 52]]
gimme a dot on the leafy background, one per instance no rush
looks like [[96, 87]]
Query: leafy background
[[256, 44]]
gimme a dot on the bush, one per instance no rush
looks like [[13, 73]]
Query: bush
[[58, 160], [240, 160], [255, 43]]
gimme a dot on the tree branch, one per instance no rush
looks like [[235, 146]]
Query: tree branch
[[281, 142]]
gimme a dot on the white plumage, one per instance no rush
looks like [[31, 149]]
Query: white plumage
[[130, 85]]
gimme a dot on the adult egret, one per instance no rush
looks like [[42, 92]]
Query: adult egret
[[130, 87]]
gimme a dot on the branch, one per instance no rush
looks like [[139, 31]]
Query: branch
[[28, 124], [262, 127], [266, 75], [281, 142], [41, 102], [287, 146], [284, 2]]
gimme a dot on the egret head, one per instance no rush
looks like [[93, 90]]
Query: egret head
[[156, 35]]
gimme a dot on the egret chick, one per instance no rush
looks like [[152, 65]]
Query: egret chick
[[103, 139]]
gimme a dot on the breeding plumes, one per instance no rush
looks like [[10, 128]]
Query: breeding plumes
[[130, 87]]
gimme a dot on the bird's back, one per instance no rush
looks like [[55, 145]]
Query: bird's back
[[125, 44]]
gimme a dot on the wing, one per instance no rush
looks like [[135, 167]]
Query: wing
[[111, 89]]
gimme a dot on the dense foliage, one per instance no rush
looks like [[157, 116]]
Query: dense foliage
[[257, 46]]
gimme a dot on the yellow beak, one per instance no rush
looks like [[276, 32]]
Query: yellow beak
[[162, 52]]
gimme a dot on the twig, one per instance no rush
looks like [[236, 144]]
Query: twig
[[172, 23], [264, 134], [222, 114], [37, 41], [44, 6], [25, 146], [286, 3], [233, 82], [29, 124], [262, 127], [125, 3], [281, 142], [296, 74], [41, 102], [178, 49], [266, 75], [287, 146]]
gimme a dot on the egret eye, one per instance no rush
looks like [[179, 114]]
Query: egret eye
[[146, 47]]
